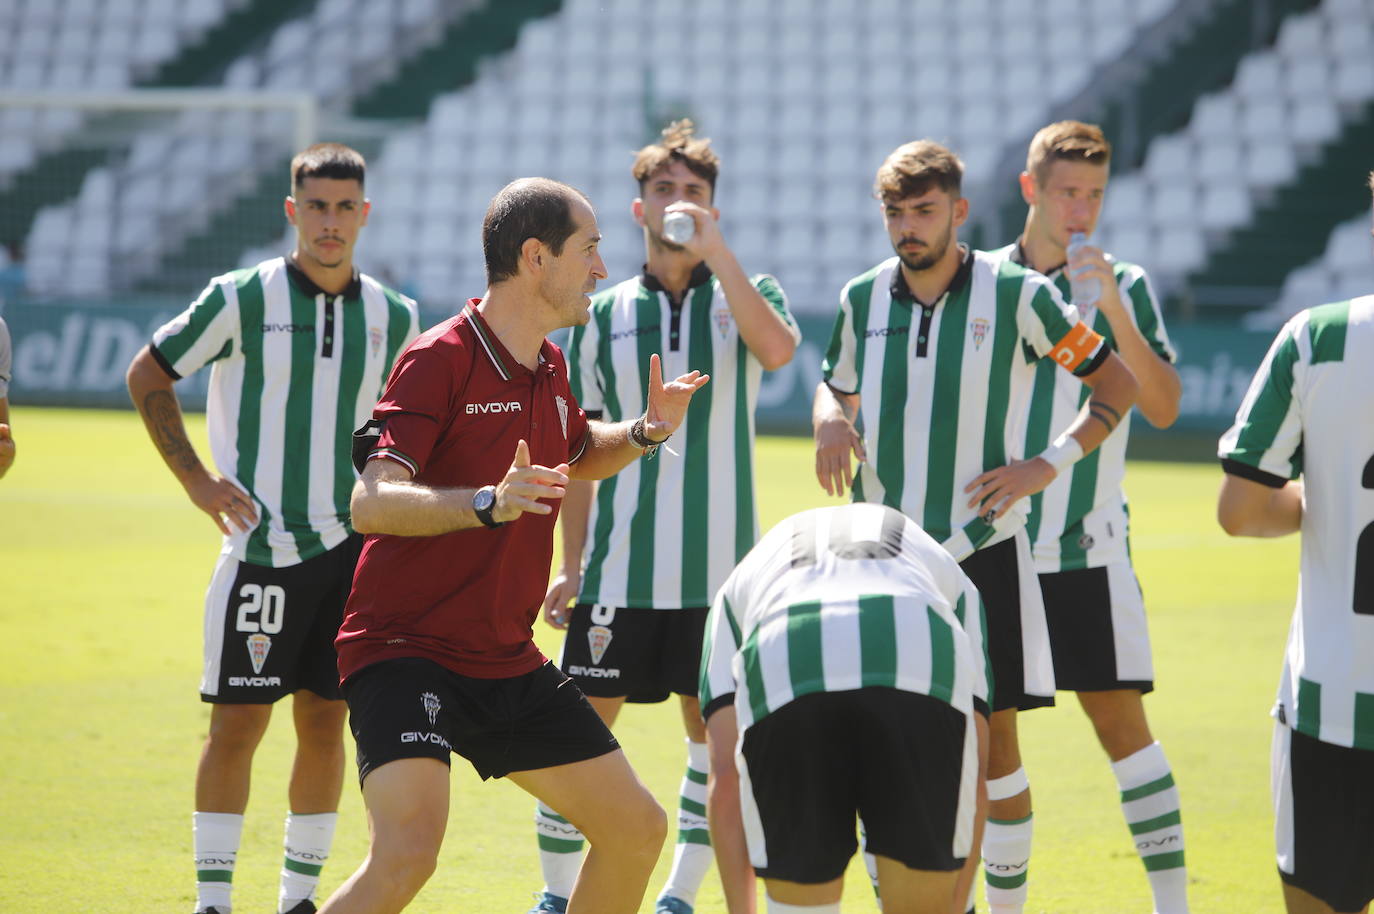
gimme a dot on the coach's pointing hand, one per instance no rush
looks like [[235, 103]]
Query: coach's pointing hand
[[519, 492], [668, 402]]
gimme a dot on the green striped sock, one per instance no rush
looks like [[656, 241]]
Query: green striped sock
[[216, 842], [560, 850], [1149, 801], [1006, 860], [693, 856], [308, 839]]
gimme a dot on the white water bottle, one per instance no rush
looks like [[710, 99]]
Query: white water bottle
[[679, 227], [1083, 291]]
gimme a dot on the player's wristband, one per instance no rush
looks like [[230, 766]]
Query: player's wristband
[[1064, 453], [640, 439]]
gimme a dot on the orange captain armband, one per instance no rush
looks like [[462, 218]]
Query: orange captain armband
[[1078, 346]]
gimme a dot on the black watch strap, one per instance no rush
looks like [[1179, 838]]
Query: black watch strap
[[485, 497]]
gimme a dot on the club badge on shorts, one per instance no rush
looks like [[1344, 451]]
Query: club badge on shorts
[[598, 639], [430, 701], [258, 646]]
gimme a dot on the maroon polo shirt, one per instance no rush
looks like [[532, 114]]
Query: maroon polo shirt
[[454, 407]]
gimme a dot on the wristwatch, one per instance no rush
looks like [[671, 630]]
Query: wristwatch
[[483, 500]]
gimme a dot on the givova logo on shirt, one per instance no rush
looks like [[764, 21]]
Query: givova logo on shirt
[[499, 406]]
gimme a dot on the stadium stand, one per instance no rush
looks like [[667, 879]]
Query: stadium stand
[[803, 98], [1263, 170], [147, 219], [802, 113], [154, 44]]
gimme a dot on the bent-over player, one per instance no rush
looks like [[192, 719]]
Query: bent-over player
[[847, 648]]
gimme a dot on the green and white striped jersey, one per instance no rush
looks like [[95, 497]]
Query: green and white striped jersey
[[944, 387], [841, 598], [294, 372], [664, 532], [1081, 520], [1310, 412]]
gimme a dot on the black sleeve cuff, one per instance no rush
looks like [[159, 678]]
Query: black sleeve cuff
[[982, 707], [843, 393], [1254, 474], [720, 701], [1095, 362], [163, 363], [594, 413]]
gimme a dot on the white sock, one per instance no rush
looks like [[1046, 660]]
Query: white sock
[[308, 838], [777, 907], [1149, 801], [870, 864], [216, 841], [560, 850], [693, 856], [1006, 858]]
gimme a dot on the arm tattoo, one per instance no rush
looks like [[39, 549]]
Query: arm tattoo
[[169, 433], [1095, 412], [1109, 408]]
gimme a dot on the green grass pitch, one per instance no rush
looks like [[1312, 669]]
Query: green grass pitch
[[103, 564]]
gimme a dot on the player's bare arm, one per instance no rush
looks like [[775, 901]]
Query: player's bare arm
[[150, 387], [572, 521], [763, 330], [1249, 508], [386, 500], [1114, 390], [7, 448], [612, 446], [832, 421], [724, 815], [1160, 387]]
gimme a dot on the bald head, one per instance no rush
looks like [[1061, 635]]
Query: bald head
[[526, 208]]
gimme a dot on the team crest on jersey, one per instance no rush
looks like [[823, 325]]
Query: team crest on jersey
[[376, 337], [562, 414], [723, 321], [258, 646], [979, 327], [430, 701], [598, 639]]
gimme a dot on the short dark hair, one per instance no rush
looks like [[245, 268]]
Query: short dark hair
[[328, 160], [912, 169], [678, 143], [1066, 141], [526, 208]]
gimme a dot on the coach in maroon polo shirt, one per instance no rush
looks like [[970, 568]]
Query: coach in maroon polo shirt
[[480, 433]]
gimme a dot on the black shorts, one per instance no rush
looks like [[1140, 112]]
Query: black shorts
[[1098, 633], [906, 763], [1324, 812], [1003, 575], [270, 631], [645, 654], [415, 708]]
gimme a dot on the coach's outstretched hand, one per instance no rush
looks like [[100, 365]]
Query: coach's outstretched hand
[[668, 402], [523, 486]]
